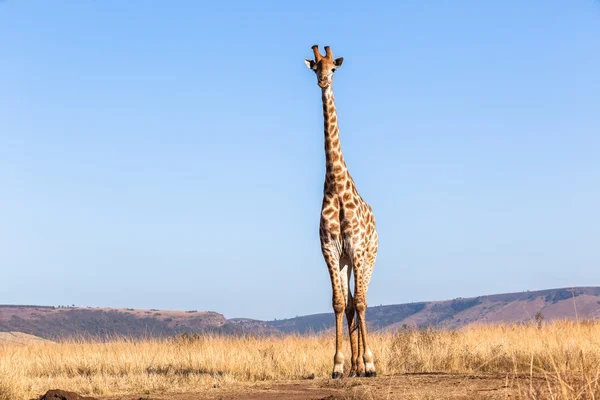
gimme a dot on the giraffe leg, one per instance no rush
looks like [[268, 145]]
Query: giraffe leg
[[360, 363], [339, 305], [360, 303], [352, 327]]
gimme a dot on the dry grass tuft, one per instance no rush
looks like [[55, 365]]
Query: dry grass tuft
[[559, 360]]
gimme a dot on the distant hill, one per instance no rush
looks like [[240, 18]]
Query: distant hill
[[581, 302], [19, 338], [71, 322]]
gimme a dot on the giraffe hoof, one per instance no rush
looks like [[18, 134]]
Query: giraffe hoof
[[352, 374], [337, 375], [360, 374], [371, 374]]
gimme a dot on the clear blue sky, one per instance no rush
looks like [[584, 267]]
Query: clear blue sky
[[158, 154]]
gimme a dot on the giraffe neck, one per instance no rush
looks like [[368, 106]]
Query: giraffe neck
[[335, 164]]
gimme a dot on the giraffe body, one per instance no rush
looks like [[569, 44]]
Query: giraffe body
[[349, 239]]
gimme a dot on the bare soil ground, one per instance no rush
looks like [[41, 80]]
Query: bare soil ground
[[407, 386]]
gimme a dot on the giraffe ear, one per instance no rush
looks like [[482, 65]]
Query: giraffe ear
[[338, 62], [311, 64]]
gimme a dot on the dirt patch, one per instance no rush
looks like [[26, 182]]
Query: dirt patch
[[63, 395], [407, 386]]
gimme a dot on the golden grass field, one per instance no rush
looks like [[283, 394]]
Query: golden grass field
[[558, 360]]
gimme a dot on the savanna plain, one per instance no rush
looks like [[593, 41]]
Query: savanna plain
[[537, 360]]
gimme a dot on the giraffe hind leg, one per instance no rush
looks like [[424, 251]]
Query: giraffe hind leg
[[360, 363], [351, 318]]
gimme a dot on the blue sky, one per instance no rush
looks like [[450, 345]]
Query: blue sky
[[169, 155]]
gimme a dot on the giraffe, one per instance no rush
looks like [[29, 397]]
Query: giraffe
[[349, 240]]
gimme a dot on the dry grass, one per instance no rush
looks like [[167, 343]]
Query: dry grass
[[566, 354]]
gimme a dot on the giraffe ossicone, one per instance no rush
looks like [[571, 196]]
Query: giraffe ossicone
[[349, 239]]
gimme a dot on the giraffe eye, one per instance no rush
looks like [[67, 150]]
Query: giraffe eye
[[333, 70]]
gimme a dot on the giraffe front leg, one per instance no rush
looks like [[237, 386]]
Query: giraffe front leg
[[338, 358], [367, 356], [339, 303], [360, 303]]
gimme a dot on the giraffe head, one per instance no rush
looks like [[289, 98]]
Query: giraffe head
[[324, 67]]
